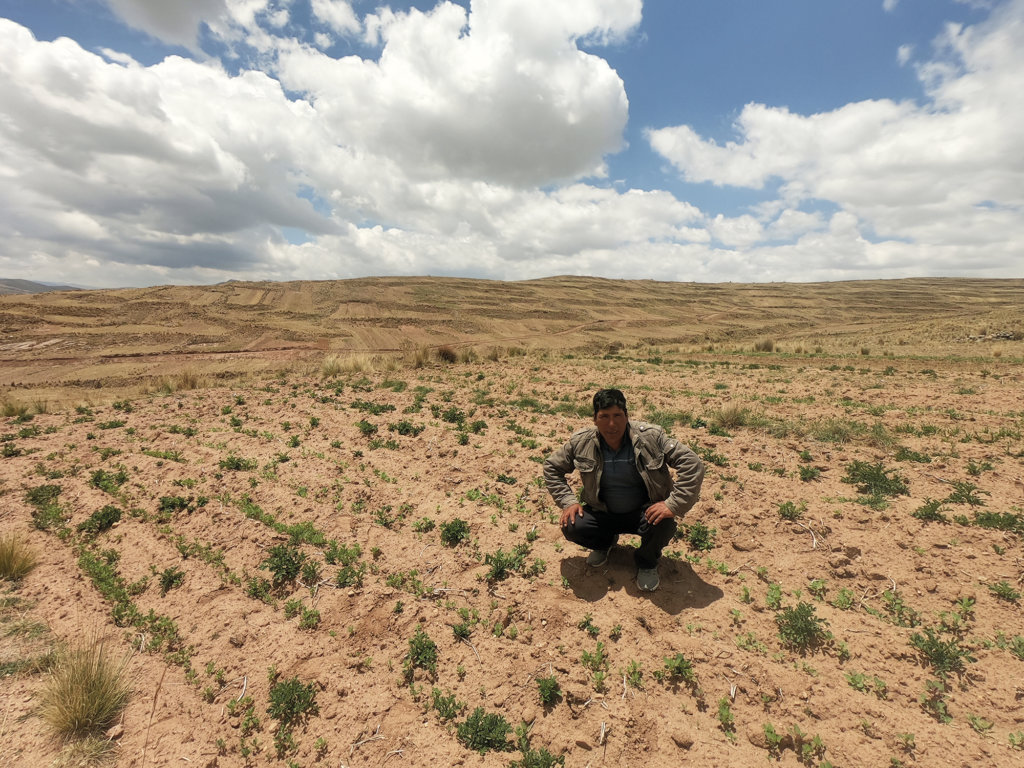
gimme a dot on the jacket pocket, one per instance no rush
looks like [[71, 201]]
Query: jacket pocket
[[584, 465], [654, 463]]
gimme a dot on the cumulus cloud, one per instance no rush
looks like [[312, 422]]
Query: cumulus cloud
[[338, 15], [474, 142], [501, 94], [948, 171]]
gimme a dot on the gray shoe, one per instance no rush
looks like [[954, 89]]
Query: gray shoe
[[647, 579], [598, 557]]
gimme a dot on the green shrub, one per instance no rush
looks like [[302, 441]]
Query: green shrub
[[422, 653], [237, 464], [800, 628], [875, 479], [930, 512], [285, 562], [447, 707], [100, 520], [944, 656], [698, 536], [549, 690], [504, 563], [483, 731], [291, 701], [406, 428]]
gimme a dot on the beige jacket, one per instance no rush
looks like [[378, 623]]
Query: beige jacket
[[655, 452]]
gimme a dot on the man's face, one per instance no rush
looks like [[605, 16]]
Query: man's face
[[611, 423]]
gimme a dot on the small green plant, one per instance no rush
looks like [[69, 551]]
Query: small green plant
[[980, 724], [875, 479], [726, 719], [944, 656], [844, 600], [698, 536], [291, 701], [422, 654], [773, 597], [237, 464], [1004, 591], [790, 511], [549, 690], [587, 624], [484, 731], [809, 473], [100, 520], [817, 588], [677, 669], [170, 578], [285, 562], [801, 629], [504, 563], [933, 700], [930, 512], [966, 493], [773, 739], [1017, 740], [454, 532], [447, 707]]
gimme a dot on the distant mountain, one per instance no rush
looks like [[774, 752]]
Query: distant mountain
[[9, 287]]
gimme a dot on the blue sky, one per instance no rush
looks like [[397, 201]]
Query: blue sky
[[145, 142]]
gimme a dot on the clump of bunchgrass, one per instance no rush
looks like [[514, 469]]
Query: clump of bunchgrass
[[17, 559], [87, 690]]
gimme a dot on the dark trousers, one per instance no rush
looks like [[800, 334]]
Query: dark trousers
[[599, 530]]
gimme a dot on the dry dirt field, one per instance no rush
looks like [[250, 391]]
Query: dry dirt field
[[331, 547]]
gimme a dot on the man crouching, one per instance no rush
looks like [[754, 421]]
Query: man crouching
[[627, 488]]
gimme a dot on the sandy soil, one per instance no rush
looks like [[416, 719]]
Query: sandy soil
[[310, 469]]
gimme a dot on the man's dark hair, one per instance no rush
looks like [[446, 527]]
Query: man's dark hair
[[609, 398]]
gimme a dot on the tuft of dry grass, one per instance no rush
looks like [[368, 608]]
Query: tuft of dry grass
[[188, 379], [17, 559], [467, 355], [357, 364], [87, 690], [764, 345], [12, 408], [90, 752], [331, 367], [446, 354], [419, 357], [730, 416]]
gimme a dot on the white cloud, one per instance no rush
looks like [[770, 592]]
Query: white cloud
[[904, 54], [338, 15], [470, 145], [501, 94], [889, 5], [948, 172]]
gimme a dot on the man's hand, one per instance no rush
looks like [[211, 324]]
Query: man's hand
[[570, 513], [657, 512]]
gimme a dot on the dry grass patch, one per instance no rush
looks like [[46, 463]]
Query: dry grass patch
[[17, 559], [90, 752], [87, 690]]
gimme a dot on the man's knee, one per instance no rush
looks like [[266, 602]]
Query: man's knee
[[574, 532]]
